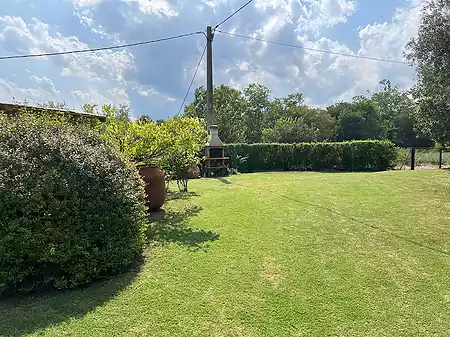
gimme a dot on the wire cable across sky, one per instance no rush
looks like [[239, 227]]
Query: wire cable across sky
[[312, 49], [233, 14], [192, 81], [101, 48]]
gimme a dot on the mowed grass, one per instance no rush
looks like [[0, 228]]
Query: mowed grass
[[274, 254]]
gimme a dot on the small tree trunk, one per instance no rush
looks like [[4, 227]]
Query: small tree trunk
[[182, 185]]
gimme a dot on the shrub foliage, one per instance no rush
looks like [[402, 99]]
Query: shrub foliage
[[371, 155], [71, 207], [173, 145]]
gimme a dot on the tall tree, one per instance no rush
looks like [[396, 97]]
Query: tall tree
[[304, 124], [356, 120], [396, 110], [430, 52], [229, 109], [257, 98], [281, 107]]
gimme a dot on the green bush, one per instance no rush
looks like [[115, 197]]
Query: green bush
[[370, 155], [71, 207]]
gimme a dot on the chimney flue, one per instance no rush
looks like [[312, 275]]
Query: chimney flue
[[214, 139]]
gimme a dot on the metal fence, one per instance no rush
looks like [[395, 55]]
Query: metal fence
[[423, 158]]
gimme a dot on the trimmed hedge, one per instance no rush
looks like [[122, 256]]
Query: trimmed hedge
[[71, 209], [366, 155]]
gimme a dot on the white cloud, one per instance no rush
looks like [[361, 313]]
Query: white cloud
[[45, 84], [17, 36], [11, 91], [156, 7], [86, 3], [92, 95], [387, 41], [308, 15], [81, 96], [152, 93], [66, 72], [324, 14], [326, 78], [98, 71], [264, 5]]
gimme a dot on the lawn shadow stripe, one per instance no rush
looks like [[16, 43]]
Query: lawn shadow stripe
[[181, 195], [174, 227], [25, 314]]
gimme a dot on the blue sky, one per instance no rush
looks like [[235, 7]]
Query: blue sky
[[154, 78]]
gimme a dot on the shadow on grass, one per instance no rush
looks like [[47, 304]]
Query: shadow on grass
[[225, 181], [173, 227], [28, 313], [181, 195], [24, 314]]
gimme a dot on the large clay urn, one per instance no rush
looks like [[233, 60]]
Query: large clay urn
[[155, 186]]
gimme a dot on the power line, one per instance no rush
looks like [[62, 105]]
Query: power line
[[313, 49], [230, 16], [193, 79], [101, 48]]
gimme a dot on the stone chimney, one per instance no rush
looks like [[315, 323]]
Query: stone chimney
[[214, 140]]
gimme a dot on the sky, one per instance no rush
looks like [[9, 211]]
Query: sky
[[153, 78]]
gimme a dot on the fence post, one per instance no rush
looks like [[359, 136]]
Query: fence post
[[440, 158], [413, 158]]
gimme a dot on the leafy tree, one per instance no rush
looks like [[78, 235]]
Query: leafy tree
[[89, 108], [198, 106], [290, 130], [55, 105], [185, 137], [123, 112], [318, 121], [396, 110], [229, 109], [430, 52], [144, 119], [173, 145], [356, 120], [118, 130], [257, 99], [303, 124], [293, 100], [281, 107]]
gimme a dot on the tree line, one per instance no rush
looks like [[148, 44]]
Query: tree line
[[252, 116]]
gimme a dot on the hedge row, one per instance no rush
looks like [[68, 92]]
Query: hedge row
[[368, 155]]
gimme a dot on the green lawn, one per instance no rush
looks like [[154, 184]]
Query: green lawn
[[275, 254]]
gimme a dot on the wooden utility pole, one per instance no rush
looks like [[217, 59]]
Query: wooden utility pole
[[209, 77]]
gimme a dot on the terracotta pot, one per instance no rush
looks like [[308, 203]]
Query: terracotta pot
[[155, 186]]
